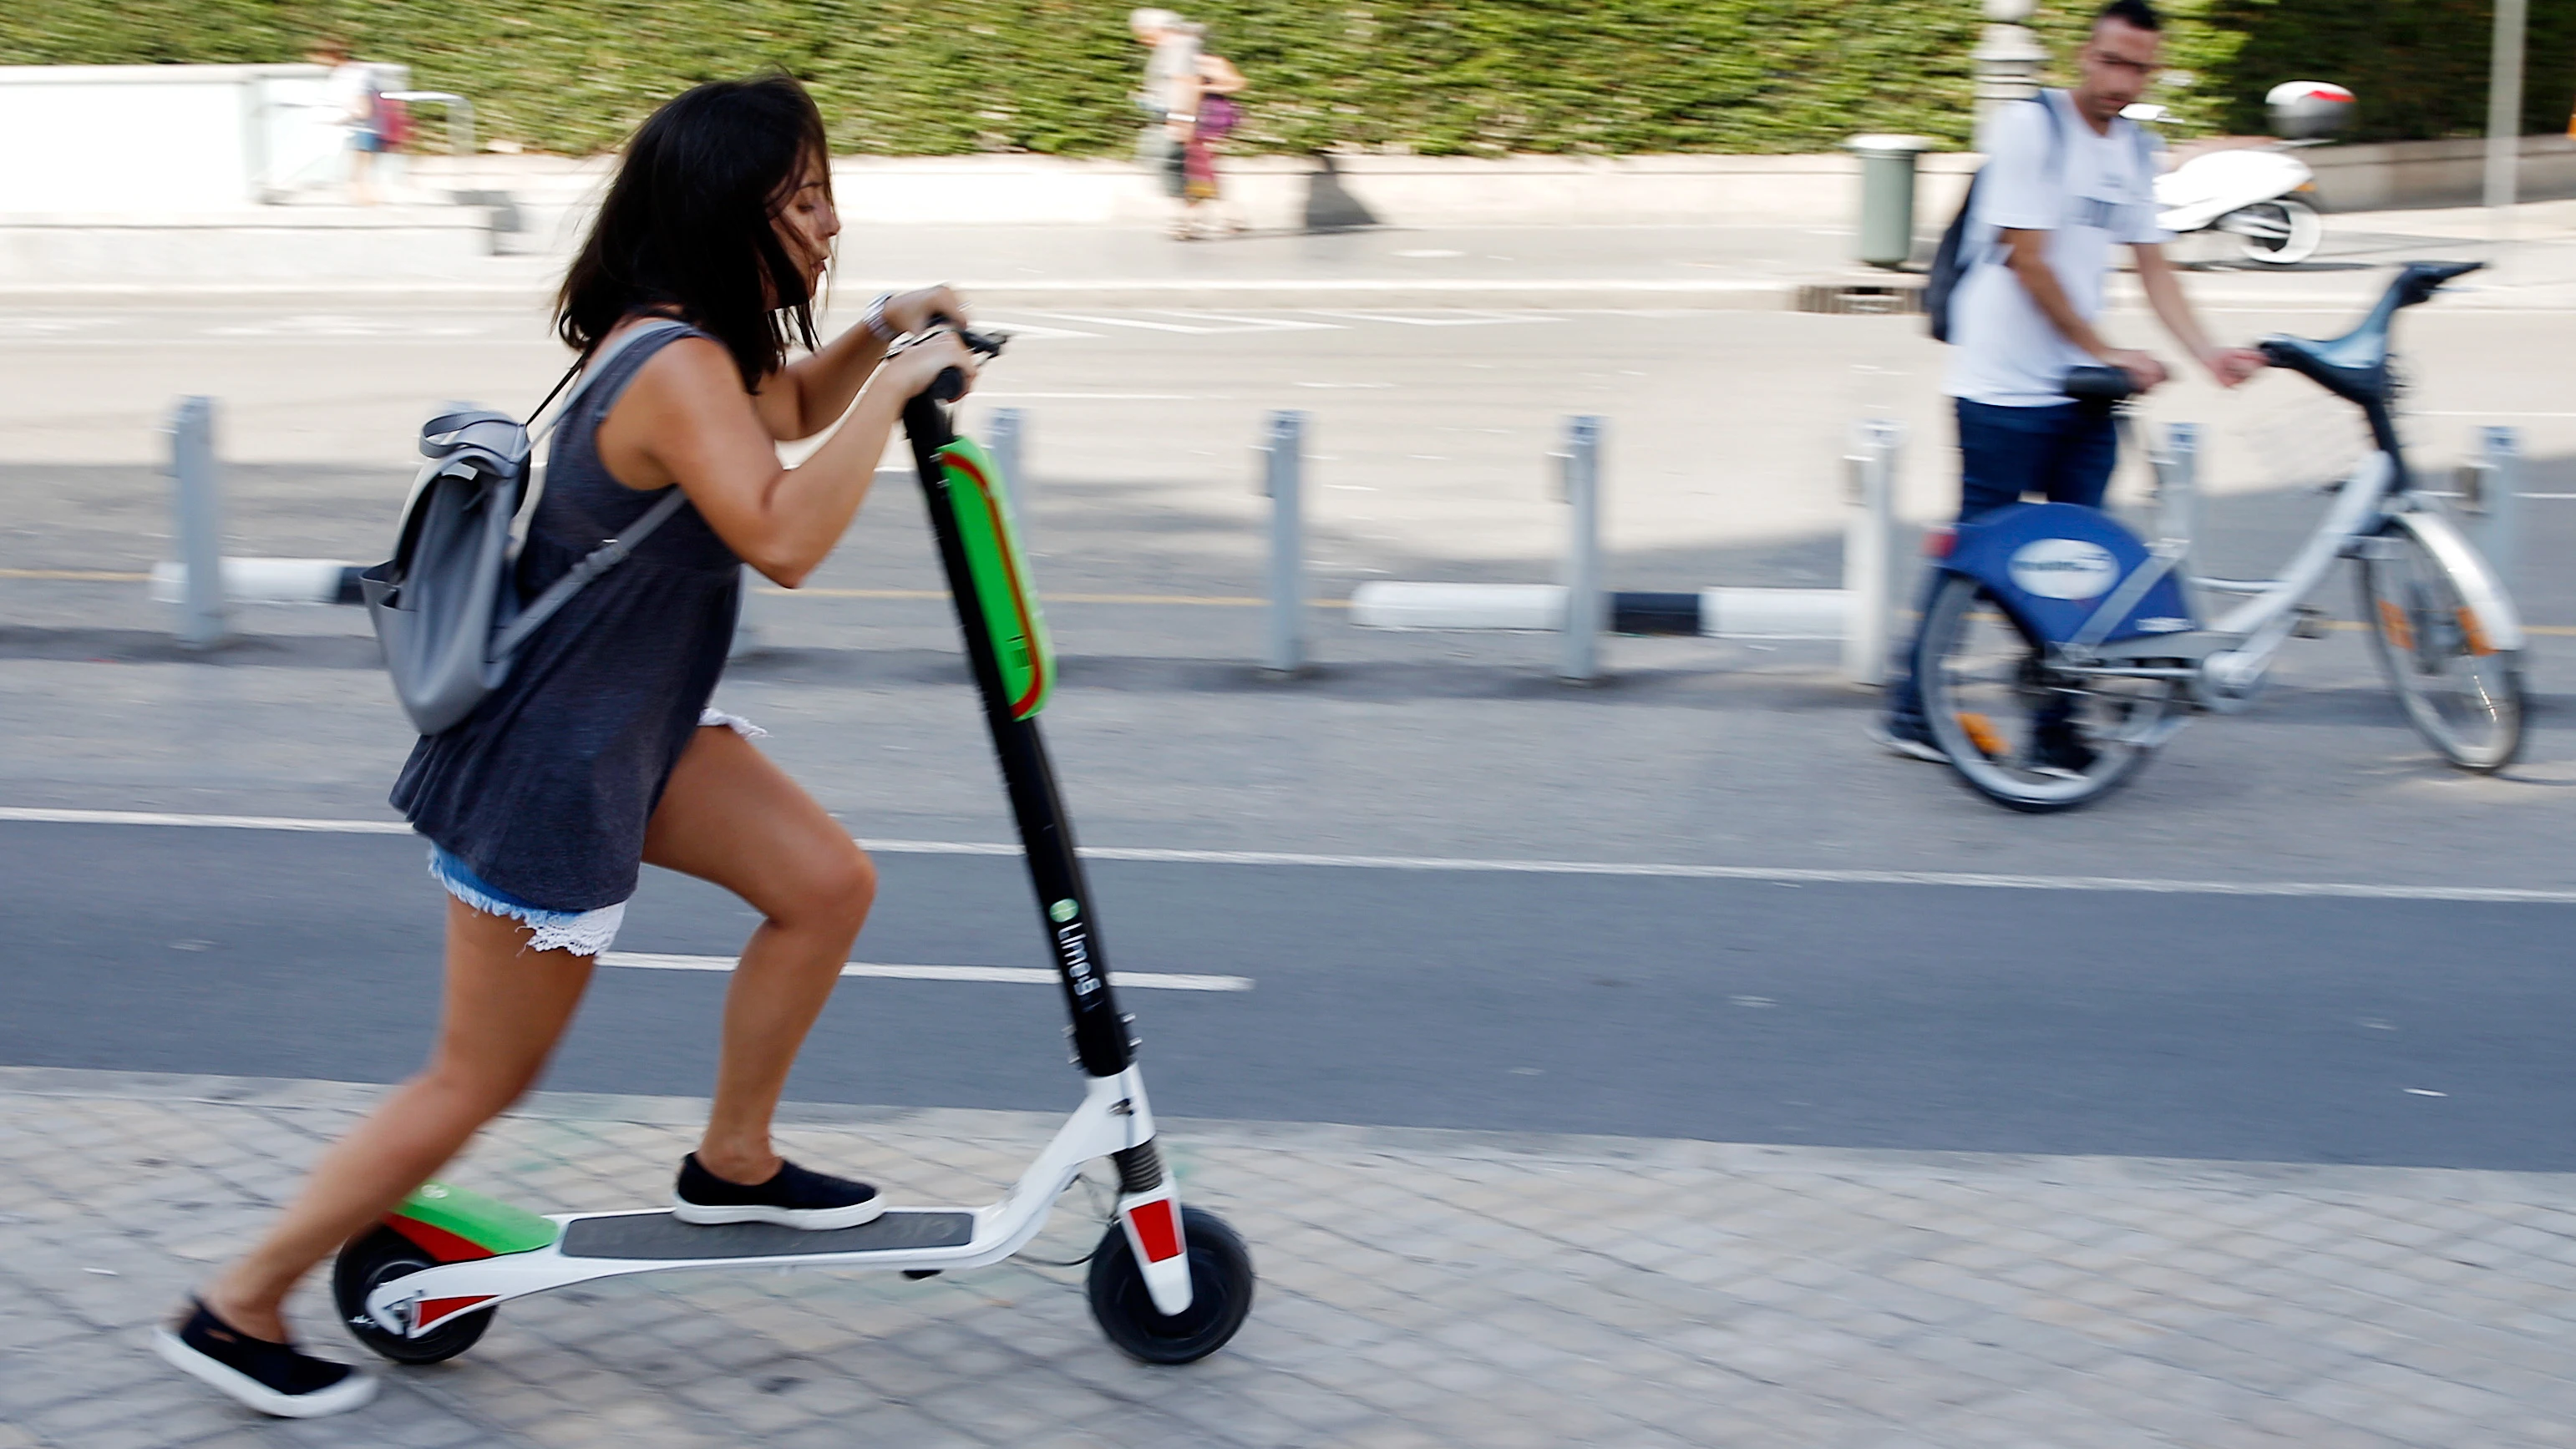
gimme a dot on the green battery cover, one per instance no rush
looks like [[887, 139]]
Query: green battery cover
[[1001, 576]]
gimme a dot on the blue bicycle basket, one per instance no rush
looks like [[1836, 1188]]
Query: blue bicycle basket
[[2050, 566]]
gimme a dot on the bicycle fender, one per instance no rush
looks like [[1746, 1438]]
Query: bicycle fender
[[2499, 623], [2050, 566]]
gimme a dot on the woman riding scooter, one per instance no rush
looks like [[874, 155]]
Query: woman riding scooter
[[599, 753]]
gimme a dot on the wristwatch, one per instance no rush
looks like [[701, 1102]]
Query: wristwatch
[[874, 319]]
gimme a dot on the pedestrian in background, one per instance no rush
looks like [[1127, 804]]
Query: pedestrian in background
[[357, 108], [1188, 93]]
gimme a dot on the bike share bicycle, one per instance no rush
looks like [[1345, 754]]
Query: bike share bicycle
[[1168, 1284], [2048, 612]]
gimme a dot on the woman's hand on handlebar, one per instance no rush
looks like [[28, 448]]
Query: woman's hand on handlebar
[[924, 308], [909, 371]]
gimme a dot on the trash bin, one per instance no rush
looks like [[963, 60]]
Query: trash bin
[[1887, 195]]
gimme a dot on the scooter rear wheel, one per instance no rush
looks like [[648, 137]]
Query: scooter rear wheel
[[1220, 1293], [378, 1258], [2287, 232]]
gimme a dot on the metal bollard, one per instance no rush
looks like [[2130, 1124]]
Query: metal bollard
[[1283, 479], [746, 631], [194, 481], [1579, 475], [2491, 492], [1009, 433], [1869, 549], [2177, 469]]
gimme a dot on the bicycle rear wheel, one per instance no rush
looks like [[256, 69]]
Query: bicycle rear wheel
[[2018, 732], [2462, 695]]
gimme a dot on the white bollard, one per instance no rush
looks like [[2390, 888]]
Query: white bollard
[[263, 581], [199, 521], [2491, 493], [1009, 433], [1586, 611], [1869, 551], [1283, 481], [2177, 468]]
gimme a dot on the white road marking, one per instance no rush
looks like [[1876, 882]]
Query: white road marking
[[25, 816], [983, 396], [1438, 319], [1014, 975], [1200, 328], [1784, 875], [1034, 331]]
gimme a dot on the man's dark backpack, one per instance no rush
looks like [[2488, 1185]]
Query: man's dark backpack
[[1949, 265]]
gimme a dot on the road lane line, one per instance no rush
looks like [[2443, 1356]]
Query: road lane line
[[1014, 975], [27, 816], [1777, 875]]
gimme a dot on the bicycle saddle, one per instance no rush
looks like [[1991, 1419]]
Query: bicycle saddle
[[2355, 365]]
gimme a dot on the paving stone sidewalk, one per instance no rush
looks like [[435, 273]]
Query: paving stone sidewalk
[[1418, 1288]]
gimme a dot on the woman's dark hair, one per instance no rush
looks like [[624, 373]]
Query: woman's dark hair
[[687, 226]]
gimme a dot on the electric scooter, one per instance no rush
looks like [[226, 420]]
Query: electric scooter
[[2261, 194], [1168, 1284]]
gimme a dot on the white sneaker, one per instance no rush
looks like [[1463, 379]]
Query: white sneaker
[[1908, 746]]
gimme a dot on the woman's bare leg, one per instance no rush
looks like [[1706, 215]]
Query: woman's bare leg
[[732, 817], [505, 1008]]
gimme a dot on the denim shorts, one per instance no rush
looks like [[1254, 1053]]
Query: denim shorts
[[583, 933]]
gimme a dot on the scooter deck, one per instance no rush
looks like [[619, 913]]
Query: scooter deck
[[661, 1237]]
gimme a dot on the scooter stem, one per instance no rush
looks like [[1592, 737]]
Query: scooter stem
[[1100, 1040]]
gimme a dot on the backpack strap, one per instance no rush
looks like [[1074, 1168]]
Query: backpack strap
[[594, 563], [613, 552], [594, 366], [1992, 250]]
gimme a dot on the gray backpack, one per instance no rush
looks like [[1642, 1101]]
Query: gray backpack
[[446, 605]]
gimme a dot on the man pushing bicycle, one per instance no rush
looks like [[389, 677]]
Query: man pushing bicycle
[[2065, 179]]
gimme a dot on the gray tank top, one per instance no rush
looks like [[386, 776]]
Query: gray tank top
[[544, 791]]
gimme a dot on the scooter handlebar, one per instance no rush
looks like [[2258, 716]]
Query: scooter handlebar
[[950, 384]]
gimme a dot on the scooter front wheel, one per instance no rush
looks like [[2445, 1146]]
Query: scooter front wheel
[[376, 1258], [1220, 1293]]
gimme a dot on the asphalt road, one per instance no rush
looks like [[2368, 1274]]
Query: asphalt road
[[1919, 1017]]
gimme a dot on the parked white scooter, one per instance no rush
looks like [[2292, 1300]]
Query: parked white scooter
[[2258, 191]]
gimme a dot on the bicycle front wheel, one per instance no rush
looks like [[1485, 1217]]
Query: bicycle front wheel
[[2463, 695], [2019, 732]]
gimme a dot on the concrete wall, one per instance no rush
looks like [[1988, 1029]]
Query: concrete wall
[[149, 139], [1415, 191], [2393, 174]]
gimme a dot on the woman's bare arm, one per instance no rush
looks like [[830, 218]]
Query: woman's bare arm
[[1217, 76], [804, 397], [685, 419]]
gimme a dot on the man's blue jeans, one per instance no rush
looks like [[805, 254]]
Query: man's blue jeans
[[2060, 452]]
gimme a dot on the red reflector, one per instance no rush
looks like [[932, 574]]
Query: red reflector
[[1938, 542], [1156, 1232], [434, 1309], [438, 1242]]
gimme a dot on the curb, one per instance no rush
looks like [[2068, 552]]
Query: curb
[[1987, 1170]]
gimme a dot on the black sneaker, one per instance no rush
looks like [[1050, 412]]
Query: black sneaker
[[2056, 749], [274, 1378], [794, 1198]]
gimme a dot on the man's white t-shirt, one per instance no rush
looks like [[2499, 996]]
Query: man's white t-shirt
[[2098, 191]]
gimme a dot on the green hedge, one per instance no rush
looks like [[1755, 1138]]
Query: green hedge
[[1472, 77]]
